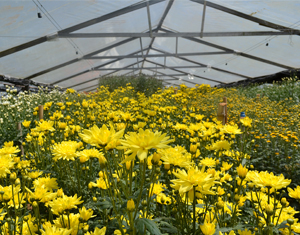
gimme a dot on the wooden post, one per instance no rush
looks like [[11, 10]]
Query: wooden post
[[225, 101], [175, 90], [257, 97], [41, 112], [221, 114], [19, 128]]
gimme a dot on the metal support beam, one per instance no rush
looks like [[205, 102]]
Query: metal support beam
[[178, 78], [163, 67], [245, 16], [179, 71], [88, 70], [149, 19], [78, 59], [176, 48], [175, 74], [85, 24], [166, 11], [203, 18], [181, 34], [103, 75], [156, 55], [141, 45], [87, 87], [205, 65], [232, 51]]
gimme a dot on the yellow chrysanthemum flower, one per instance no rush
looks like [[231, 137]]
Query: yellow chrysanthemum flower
[[208, 228], [86, 214], [220, 145], [100, 183], [294, 193], [245, 232], [177, 156], [101, 137], [242, 171], [231, 129], [45, 182], [66, 150], [53, 230], [226, 166], [26, 124], [9, 150], [156, 188], [266, 179], [6, 164], [45, 126], [61, 204], [246, 121], [193, 178], [138, 144], [209, 162]]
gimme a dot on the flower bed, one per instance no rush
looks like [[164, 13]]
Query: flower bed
[[109, 163]]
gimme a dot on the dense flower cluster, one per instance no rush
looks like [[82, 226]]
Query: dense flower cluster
[[117, 163]]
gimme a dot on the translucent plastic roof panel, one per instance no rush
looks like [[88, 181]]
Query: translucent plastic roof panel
[[135, 21], [268, 10], [19, 20], [75, 42], [92, 75], [87, 85]]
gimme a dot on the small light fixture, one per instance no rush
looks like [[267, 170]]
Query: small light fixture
[[39, 14]]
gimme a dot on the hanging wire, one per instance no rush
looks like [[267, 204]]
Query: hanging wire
[[58, 27], [264, 42]]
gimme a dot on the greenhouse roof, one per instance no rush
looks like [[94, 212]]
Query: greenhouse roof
[[73, 43]]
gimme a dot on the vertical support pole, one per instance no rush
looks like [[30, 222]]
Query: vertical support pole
[[175, 90], [221, 115], [141, 44], [19, 128], [203, 18], [176, 46], [257, 97], [225, 101], [165, 62], [41, 112], [149, 19]]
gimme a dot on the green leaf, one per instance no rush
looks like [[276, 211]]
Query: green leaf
[[283, 224], [149, 224], [104, 205], [166, 227]]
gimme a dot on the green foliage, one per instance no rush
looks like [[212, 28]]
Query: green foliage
[[287, 89], [141, 83]]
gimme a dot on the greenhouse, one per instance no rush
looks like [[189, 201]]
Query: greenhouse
[[196, 42], [164, 117]]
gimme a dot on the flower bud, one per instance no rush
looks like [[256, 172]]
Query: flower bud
[[269, 209], [167, 166], [13, 176], [290, 221], [156, 158], [102, 161], [193, 148], [242, 171], [220, 205], [130, 205], [284, 202]]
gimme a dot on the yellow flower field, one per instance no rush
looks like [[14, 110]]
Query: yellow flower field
[[119, 163]]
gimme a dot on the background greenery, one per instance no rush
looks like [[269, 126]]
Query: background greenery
[[141, 83]]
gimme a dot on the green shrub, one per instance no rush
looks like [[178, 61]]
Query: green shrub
[[141, 83]]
